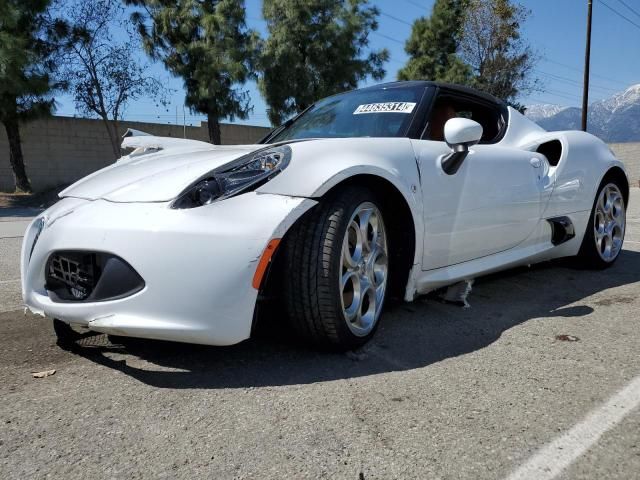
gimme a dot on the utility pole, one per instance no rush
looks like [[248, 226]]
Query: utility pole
[[587, 60]]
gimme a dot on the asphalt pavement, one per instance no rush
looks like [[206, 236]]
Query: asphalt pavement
[[539, 378]]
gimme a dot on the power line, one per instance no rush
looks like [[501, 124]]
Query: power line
[[581, 70], [404, 22], [388, 37], [627, 5], [562, 92], [566, 97], [620, 14], [572, 82], [391, 60], [541, 101], [415, 4], [575, 83]]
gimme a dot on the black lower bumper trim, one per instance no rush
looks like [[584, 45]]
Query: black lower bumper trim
[[80, 276]]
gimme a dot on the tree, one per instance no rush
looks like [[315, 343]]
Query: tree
[[207, 44], [490, 43], [315, 48], [28, 40], [102, 73], [433, 46]]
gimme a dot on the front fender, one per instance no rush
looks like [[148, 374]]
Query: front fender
[[317, 166]]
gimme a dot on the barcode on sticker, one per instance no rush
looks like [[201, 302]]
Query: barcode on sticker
[[386, 107]]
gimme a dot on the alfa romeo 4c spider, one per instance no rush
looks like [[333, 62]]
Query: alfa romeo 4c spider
[[393, 190]]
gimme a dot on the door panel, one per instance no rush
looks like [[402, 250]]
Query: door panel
[[491, 204]]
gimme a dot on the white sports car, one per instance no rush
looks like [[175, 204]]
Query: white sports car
[[397, 189]]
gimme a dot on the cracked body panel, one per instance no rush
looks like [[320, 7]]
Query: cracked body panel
[[198, 267]]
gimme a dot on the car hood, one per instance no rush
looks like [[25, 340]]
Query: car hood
[[158, 171]]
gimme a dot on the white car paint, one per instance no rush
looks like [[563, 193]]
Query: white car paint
[[491, 204], [462, 131], [156, 176], [198, 263]]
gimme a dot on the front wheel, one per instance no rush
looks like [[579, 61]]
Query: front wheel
[[602, 242], [337, 264], [65, 334]]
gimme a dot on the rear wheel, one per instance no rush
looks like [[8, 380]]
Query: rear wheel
[[602, 242], [337, 265]]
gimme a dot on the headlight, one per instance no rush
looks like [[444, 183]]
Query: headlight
[[245, 173]]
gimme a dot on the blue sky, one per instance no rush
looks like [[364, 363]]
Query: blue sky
[[555, 30]]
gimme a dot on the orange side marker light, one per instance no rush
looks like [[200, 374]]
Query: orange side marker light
[[264, 262]]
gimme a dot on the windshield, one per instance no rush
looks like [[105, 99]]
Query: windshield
[[384, 112]]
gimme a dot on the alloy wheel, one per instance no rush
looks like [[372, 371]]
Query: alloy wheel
[[364, 267], [609, 222]]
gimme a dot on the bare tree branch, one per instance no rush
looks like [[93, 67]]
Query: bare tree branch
[[103, 73]]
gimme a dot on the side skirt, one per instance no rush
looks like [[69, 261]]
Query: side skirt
[[539, 247]]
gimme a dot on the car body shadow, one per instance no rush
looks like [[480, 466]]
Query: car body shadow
[[410, 336]]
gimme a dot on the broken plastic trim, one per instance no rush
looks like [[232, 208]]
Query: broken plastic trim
[[264, 262], [138, 152], [458, 293]]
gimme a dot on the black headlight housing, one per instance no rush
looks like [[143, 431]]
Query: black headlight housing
[[246, 173]]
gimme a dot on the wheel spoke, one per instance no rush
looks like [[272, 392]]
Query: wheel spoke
[[351, 291], [367, 311], [616, 246], [352, 246], [368, 224], [601, 202]]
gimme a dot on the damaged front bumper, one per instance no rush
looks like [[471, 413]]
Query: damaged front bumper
[[197, 265]]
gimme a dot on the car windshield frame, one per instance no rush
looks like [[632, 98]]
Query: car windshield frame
[[374, 105]]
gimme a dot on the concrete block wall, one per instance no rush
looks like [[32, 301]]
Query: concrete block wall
[[629, 154], [61, 150]]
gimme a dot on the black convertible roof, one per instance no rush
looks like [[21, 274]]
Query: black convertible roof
[[443, 85]]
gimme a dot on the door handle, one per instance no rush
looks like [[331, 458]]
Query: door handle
[[535, 162]]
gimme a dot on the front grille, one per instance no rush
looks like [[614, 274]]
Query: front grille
[[81, 276], [78, 272]]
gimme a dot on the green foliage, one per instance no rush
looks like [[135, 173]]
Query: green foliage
[[433, 45], [26, 63], [315, 48], [490, 43], [475, 43], [207, 44], [28, 42]]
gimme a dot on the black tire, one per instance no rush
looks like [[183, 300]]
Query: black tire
[[588, 256], [65, 334], [312, 261]]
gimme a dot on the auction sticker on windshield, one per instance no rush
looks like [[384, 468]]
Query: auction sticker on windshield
[[386, 107]]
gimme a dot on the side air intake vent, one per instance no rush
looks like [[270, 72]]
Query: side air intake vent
[[562, 230]]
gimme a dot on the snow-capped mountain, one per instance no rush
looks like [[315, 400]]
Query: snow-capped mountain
[[542, 111], [615, 119]]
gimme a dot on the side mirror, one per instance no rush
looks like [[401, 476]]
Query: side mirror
[[460, 134]]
